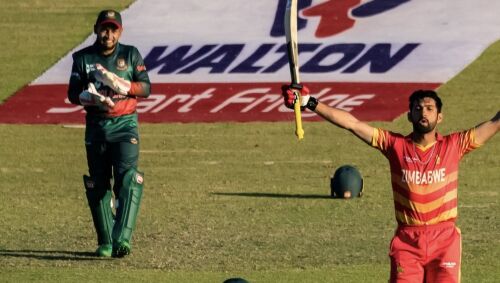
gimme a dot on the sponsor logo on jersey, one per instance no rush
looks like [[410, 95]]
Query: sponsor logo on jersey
[[423, 178], [448, 264], [90, 68]]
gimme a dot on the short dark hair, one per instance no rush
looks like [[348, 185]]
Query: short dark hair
[[420, 94]]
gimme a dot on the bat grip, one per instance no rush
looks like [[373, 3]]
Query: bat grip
[[299, 131]]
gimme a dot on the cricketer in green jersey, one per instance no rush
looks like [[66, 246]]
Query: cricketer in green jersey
[[106, 78]]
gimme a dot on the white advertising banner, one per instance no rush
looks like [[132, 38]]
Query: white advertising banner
[[231, 55]]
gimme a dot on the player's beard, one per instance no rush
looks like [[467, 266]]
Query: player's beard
[[424, 129], [107, 46]]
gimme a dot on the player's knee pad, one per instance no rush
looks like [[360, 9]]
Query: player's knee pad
[[100, 207], [129, 201]]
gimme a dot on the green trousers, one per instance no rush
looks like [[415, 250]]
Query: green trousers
[[112, 146]]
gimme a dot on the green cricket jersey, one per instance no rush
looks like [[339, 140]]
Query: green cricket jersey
[[119, 123], [125, 61]]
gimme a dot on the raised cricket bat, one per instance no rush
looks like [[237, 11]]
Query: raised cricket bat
[[293, 59]]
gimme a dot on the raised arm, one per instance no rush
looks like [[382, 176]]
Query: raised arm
[[338, 117], [345, 120], [487, 129]]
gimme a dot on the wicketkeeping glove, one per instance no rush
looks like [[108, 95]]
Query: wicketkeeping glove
[[307, 101], [90, 97], [119, 85]]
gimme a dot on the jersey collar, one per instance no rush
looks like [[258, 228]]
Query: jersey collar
[[439, 138]]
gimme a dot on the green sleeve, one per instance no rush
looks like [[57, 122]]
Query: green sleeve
[[140, 79], [76, 83]]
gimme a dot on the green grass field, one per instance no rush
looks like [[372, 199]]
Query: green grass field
[[254, 205]]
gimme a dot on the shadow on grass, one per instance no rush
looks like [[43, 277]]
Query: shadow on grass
[[273, 195], [49, 255]]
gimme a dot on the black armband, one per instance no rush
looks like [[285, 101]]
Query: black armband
[[312, 103]]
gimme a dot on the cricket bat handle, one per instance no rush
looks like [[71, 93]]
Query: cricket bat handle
[[299, 131]]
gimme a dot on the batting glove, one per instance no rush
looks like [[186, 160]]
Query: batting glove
[[90, 97], [119, 85], [290, 96]]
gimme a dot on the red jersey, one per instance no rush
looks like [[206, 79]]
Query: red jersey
[[424, 180]]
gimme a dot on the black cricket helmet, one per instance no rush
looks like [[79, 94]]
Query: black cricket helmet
[[235, 280], [346, 182]]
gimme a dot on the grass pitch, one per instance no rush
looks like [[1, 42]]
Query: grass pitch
[[254, 205]]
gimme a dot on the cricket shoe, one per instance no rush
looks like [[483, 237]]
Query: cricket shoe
[[104, 250], [121, 249]]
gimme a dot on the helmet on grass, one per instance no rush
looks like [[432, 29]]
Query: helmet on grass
[[346, 182], [235, 280]]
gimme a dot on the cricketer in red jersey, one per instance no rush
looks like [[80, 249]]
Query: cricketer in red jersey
[[424, 175]]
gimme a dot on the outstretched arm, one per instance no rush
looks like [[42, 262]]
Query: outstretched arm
[[336, 116], [345, 120], [488, 129]]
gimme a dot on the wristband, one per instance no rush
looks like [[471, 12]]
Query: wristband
[[312, 103]]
